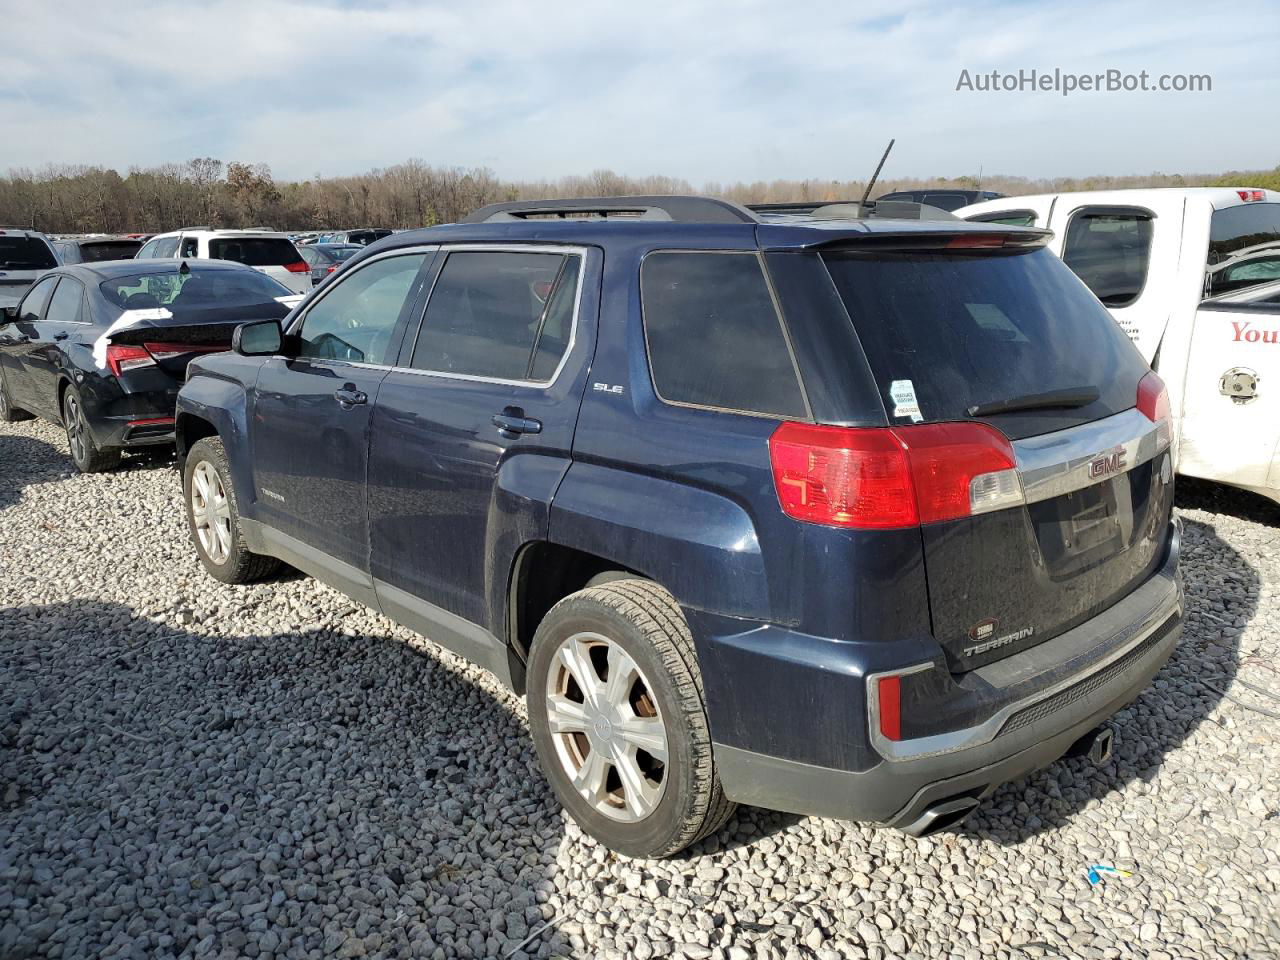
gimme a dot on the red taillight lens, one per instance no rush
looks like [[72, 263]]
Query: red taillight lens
[[889, 692], [332, 267], [1250, 196], [1153, 398], [884, 478], [299, 267], [122, 357], [842, 477]]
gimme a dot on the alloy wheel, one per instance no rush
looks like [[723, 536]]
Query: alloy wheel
[[211, 512], [609, 733], [77, 429]]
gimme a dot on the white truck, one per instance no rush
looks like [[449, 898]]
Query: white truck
[[1193, 277]]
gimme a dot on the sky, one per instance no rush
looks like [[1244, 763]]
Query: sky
[[711, 92]]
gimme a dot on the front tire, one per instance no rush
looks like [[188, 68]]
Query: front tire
[[618, 717], [213, 517], [8, 412], [85, 452]]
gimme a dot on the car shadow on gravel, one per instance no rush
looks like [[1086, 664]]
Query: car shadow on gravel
[[1221, 589], [1193, 494], [25, 461], [296, 790]]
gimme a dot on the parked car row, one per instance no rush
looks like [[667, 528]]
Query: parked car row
[[852, 517]]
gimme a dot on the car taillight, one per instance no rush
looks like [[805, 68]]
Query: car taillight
[[1251, 196], [332, 267], [123, 357], [885, 478], [1153, 403], [299, 267]]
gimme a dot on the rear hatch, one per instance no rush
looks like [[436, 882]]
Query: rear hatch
[[277, 257], [23, 258], [166, 319], [1007, 336]]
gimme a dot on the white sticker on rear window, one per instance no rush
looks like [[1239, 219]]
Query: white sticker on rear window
[[905, 404]]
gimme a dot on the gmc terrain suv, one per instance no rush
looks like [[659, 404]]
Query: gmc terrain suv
[[859, 518]]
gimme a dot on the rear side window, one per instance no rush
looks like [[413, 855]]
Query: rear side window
[[1110, 253], [944, 332], [66, 304], [505, 316], [714, 337], [254, 251], [1244, 247], [25, 253]]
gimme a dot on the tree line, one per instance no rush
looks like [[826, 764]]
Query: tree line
[[205, 191]]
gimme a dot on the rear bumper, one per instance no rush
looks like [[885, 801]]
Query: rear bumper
[[1065, 688]]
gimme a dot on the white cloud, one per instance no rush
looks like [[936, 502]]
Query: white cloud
[[752, 90]]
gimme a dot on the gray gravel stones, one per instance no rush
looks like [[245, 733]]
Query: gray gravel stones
[[194, 770]]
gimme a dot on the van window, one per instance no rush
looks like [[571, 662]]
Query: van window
[[490, 311], [255, 251], [1244, 247], [714, 337], [1110, 252]]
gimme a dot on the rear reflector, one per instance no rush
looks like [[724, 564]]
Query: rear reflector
[[151, 422], [887, 478], [299, 267], [123, 357], [889, 690]]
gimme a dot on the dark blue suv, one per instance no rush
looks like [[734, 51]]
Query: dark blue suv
[[851, 517]]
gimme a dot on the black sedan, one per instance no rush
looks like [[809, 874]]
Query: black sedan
[[103, 348]]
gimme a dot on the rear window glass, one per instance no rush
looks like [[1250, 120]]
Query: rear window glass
[[1244, 247], [115, 250], [946, 201], [26, 253], [254, 251], [340, 253], [1109, 252], [714, 337], [196, 290], [944, 332]]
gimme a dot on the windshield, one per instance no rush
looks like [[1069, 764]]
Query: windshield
[[25, 253], [198, 289], [255, 251], [944, 332]]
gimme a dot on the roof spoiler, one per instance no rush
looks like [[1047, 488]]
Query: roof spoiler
[[855, 210]]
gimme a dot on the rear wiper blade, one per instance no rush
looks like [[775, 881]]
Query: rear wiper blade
[[1067, 399]]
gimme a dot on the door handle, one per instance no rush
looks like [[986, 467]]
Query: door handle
[[60, 336], [512, 422], [349, 397]]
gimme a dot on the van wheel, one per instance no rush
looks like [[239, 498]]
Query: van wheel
[[619, 719], [8, 412], [85, 452], [214, 517]]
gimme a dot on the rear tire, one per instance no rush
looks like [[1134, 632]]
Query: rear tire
[[647, 731], [85, 452], [213, 517], [8, 412]]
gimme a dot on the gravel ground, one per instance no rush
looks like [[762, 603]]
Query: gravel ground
[[189, 769]]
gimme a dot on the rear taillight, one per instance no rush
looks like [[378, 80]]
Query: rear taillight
[[1251, 196], [1153, 403], [884, 478], [123, 357], [299, 267], [332, 267]]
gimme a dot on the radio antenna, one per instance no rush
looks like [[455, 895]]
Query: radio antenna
[[872, 182]]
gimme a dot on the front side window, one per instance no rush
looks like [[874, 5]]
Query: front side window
[[355, 321], [1244, 247], [1110, 253], [166, 247], [499, 315], [714, 337], [66, 303], [34, 302], [148, 250]]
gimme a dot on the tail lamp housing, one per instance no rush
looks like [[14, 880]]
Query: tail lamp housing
[[892, 477], [299, 266], [1153, 403], [123, 357]]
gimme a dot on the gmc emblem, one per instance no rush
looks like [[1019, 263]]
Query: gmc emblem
[[1106, 464]]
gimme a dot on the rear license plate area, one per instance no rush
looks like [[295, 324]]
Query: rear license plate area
[[1084, 527]]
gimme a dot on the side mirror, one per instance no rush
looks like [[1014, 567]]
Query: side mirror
[[10, 313], [260, 338]]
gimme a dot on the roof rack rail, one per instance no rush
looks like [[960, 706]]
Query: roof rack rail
[[677, 209]]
